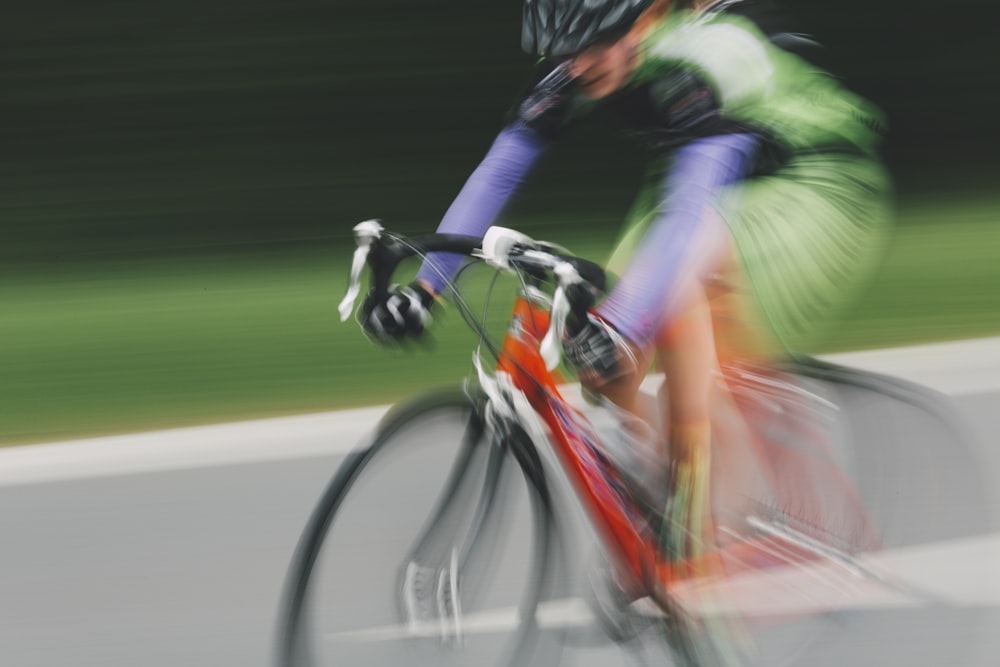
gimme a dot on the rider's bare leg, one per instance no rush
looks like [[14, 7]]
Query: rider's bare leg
[[685, 343], [685, 348], [624, 392]]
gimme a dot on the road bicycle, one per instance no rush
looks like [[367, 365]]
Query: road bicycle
[[441, 539]]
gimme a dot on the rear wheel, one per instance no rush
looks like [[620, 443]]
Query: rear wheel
[[917, 467], [431, 545], [873, 514]]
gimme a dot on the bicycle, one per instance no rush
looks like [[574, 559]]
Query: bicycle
[[515, 427]]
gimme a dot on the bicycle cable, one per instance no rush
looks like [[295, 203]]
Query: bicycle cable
[[451, 283]]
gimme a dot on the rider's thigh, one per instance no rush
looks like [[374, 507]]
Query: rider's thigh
[[739, 330]]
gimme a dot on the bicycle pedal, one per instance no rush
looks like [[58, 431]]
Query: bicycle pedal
[[416, 599], [430, 602], [449, 605]]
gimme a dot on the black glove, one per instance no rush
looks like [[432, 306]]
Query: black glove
[[404, 314], [599, 353]]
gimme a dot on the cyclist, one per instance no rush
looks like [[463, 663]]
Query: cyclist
[[764, 203]]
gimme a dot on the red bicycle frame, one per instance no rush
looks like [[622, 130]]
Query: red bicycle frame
[[614, 512]]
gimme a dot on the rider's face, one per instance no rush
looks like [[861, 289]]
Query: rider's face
[[603, 68]]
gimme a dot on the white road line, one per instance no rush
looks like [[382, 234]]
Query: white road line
[[960, 573], [957, 367], [283, 438], [564, 613]]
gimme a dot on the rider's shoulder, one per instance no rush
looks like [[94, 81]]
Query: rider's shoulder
[[726, 46], [696, 35], [549, 100]]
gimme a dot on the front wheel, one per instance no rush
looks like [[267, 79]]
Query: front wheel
[[430, 546]]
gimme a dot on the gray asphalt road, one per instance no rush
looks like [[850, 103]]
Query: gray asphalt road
[[184, 567]]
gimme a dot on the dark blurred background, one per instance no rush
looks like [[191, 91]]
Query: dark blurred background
[[177, 127]]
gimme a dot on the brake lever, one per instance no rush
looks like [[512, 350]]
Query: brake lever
[[551, 347], [367, 233]]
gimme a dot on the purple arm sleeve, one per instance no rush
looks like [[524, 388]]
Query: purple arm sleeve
[[640, 300], [484, 195]]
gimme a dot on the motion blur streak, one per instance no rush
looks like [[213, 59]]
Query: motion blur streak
[[180, 182]]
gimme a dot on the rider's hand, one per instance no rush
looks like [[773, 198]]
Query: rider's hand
[[402, 315], [598, 352]]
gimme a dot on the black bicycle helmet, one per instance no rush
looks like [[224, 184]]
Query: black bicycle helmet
[[564, 27]]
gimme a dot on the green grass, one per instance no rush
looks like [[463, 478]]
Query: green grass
[[128, 344], [939, 281]]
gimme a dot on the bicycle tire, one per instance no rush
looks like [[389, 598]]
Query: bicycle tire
[[917, 464], [945, 454], [295, 634]]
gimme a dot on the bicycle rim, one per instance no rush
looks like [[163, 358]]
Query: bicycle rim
[[429, 546]]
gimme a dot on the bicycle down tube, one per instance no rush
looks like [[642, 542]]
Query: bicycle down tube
[[608, 504]]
